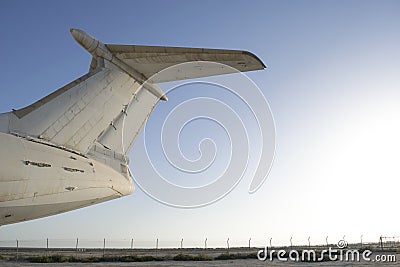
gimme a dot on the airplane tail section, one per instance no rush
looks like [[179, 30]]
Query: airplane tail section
[[102, 113]]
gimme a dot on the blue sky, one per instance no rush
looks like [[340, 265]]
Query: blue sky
[[332, 83]]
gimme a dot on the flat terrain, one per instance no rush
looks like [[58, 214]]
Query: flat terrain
[[8, 256], [221, 263]]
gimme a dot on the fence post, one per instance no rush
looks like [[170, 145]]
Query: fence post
[[17, 249], [104, 247], [132, 245], [76, 248], [47, 247], [156, 246], [326, 239], [227, 243], [205, 243]]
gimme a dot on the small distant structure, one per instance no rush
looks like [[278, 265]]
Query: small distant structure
[[389, 241]]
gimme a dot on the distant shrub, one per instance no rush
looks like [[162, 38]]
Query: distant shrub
[[90, 259], [51, 259], [134, 258], [59, 258], [203, 257], [233, 256], [129, 259], [186, 257], [150, 258]]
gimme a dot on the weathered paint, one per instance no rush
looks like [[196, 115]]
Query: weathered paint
[[29, 190]]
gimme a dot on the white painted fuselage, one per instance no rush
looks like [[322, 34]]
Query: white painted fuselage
[[38, 180]]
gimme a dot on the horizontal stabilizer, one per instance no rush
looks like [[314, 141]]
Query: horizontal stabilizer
[[150, 60]]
